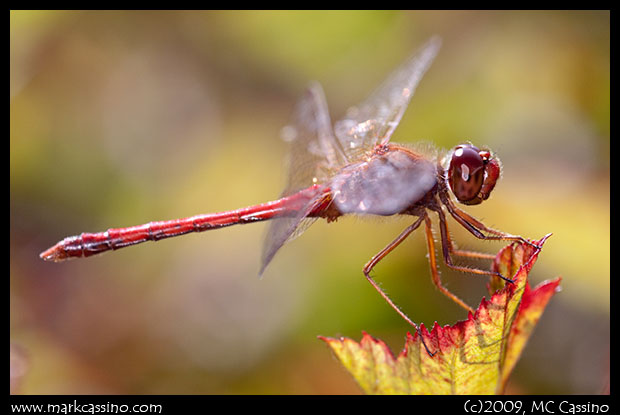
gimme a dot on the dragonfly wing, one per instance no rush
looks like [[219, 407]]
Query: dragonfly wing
[[313, 157], [314, 152], [285, 229], [376, 118]]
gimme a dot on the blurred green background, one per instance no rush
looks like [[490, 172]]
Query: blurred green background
[[121, 118]]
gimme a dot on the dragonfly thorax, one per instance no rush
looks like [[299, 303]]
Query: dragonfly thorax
[[386, 184]]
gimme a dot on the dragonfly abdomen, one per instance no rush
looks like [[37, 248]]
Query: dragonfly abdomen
[[89, 244]]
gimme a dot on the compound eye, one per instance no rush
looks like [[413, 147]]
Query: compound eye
[[466, 173]]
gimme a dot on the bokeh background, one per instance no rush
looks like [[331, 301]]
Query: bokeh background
[[121, 118]]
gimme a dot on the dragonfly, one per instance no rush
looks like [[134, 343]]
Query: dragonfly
[[350, 168]]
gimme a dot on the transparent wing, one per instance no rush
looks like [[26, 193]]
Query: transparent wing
[[281, 231], [317, 153], [285, 229], [376, 118], [313, 157], [314, 152]]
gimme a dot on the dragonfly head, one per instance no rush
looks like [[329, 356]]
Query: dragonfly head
[[472, 173]]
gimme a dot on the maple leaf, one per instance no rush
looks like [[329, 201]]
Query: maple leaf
[[474, 356]]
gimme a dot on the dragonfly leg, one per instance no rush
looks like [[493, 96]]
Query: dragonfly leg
[[435, 272], [447, 240], [448, 251], [470, 254], [378, 257], [475, 227]]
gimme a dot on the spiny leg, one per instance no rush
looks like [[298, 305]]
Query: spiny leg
[[471, 254], [460, 252], [448, 250], [378, 257], [474, 226], [434, 271]]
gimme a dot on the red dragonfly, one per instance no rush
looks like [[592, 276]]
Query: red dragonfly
[[350, 168]]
